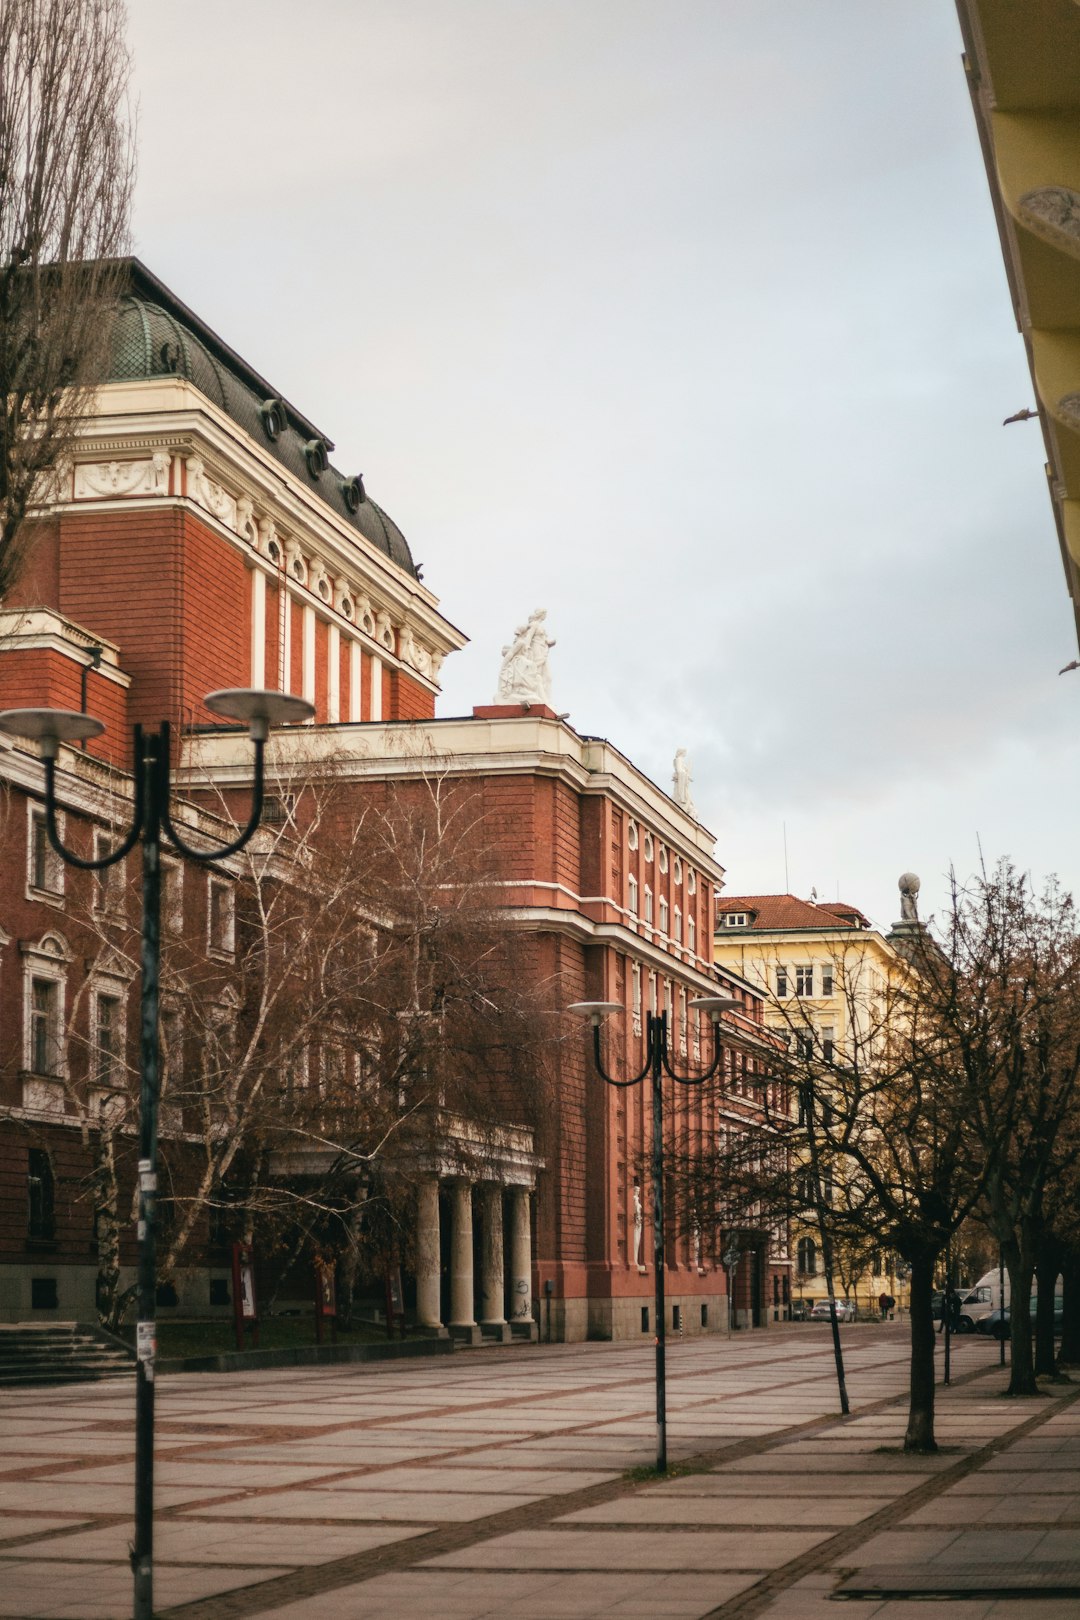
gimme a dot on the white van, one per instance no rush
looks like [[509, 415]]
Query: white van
[[986, 1296]]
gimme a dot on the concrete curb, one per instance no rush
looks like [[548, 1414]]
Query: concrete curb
[[305, 1355]]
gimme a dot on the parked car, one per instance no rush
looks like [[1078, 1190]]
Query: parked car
[[845, 1311], [937, 1303], [996, 1325], [800, 1309]]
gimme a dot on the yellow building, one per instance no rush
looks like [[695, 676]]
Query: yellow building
[[1022, 59], [825, 971]]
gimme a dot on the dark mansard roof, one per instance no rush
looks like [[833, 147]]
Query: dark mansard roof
[[158, 336]]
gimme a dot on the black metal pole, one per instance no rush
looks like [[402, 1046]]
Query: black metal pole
[[657, 1032], [1001, 1302], [946, 1314], [826, 1250], [156, 766]]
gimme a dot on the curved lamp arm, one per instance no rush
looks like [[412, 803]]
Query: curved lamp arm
[[259, 710], [209, 855], [596, 1011], [129, 841], [714, 1006]]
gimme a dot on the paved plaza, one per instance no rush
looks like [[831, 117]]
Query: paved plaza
[[500, 1481]]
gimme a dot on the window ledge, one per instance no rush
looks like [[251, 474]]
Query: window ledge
[[48, 897]]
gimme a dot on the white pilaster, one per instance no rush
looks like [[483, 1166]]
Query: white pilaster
[[428, 1303], [376, 688], [461, 1258], [258, 629], [491, 1278], [521, 1255]]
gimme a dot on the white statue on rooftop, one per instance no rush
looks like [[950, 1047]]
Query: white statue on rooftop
[[909, 887], [681, 779], [525, 676]]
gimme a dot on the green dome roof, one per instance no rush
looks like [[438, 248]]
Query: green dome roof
[[151, 340]]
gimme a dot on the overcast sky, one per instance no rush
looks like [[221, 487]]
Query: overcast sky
[[686, 320]]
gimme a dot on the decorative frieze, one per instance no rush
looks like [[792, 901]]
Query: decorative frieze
[[148, 476], [159, 475]]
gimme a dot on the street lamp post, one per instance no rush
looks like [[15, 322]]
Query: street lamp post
[[656, 1065], [150, 820]]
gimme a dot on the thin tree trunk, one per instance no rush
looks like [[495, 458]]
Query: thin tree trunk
[[920, 1428], [348, 1267], [1021, 1266], [1070, 1328], [111, 1304], [1047, 1267]]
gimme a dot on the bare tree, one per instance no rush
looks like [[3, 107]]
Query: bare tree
[[340, 1003], [1005, 991], [67, 169]]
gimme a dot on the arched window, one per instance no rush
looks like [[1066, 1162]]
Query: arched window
[[807, 1257]]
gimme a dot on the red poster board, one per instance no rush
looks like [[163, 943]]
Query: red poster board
[[325, 1298], [245, 1308]]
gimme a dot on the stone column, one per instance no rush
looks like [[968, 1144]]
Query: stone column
[[521, 1256], [428, 1301], [461, 1258], [491, 1278]]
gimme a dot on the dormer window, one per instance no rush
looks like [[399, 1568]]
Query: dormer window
[[736, 919]]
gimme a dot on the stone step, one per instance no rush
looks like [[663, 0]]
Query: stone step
[[58, 1353]]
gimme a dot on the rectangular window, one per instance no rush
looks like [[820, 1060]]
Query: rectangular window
[[222, 917], [663, 915], [108, 1041], [635, 981], [804, 981], [171, 1027], [109, 880], [827, 1038], [691, 932], [677, 931], [648, 906], [632, 896], [826, 978], [781, 981], [44, 1026], [40, 1197], [736, 919], [172, 895], [46, 869]]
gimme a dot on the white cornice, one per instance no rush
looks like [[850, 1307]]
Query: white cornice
[[169, 414], [529, 746]]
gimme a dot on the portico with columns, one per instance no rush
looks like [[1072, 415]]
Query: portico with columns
[[474, 1237]]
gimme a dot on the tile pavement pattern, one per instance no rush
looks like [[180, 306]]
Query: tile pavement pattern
[[497, 1482]]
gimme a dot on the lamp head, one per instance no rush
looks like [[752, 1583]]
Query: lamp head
[[50, 727], [594, 1011], [715, 1005], [259, 709]]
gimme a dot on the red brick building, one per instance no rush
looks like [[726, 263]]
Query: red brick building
[[201, 539]]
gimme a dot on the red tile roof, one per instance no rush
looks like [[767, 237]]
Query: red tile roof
[[787, 911]]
